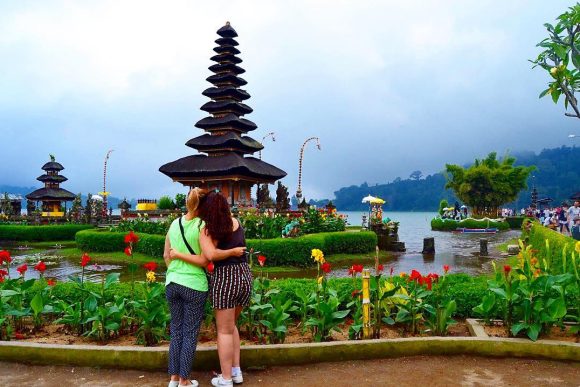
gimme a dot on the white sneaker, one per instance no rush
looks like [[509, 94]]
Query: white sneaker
[[173, 383], [219, 381], [194, 383], [238, 379]]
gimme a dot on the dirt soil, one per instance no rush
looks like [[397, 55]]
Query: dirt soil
[[498, 330], [408, 371], [57, 334]]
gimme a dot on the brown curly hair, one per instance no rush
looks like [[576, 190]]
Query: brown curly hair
[[214, 210]]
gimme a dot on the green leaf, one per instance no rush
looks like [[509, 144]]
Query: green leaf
[[111, 278], [534, 331], [543, 93], [557, 309], [340, 314], [556, 95], [516, 328], [91, 303], [37, 304]]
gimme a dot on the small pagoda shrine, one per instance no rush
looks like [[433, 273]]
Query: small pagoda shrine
[[223, 162], [52, 195]]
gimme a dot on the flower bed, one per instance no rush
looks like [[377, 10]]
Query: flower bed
[[280, 251], [29, 233]]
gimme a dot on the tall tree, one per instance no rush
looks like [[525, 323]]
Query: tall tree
[[561, 59], [263, 197], [282, 198], [488, 183], [76, 209]]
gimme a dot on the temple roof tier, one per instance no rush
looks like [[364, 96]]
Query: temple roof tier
[[226, 93], [226, 68], [51, 194], [226, 58], [226, 49], [226, 78], [52, 166], [200, 167], [52, 178], [227, 31], [230, 121], [226, 42], [228, 105], [228, 141]]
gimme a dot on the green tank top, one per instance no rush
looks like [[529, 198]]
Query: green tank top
[[180, 272]]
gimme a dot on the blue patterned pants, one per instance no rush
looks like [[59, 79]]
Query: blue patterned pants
[[186, 307]]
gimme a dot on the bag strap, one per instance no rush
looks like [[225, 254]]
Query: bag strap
[[184, 239]]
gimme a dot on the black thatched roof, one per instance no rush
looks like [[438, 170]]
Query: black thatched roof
[[226, 42], [229, 121], [226, 68], [230, 140], [226, 49], [226, 78], [226, 92], [52, 166], [228, 105], [51, 194], [201, 167], [52, 178], [226, 58], [227, 31]]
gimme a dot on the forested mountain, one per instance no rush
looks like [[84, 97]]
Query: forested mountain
[[557, 176]]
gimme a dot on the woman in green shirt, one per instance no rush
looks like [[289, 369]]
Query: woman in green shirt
[[186, 288]]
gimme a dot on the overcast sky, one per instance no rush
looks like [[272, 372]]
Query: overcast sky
[[388, 86]]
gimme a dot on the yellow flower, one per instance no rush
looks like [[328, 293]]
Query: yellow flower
[[403, 274], [320, 280], [577, 247], [553, 70], [150, 276], [318, 255]]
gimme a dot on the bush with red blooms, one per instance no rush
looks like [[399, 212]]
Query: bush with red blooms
[[131, 240], [40, 267], [85, 259], [261, 260], [150, 266], [22, 269]]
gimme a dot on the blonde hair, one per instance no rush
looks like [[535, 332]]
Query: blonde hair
[[193, 198]]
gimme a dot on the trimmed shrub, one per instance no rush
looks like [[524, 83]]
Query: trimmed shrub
[[439, 224], [105, 241], [537, 237], [280, 251], [29, 233], [515, 222], [297, 251]]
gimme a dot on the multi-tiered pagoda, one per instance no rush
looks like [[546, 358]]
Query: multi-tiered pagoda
[[225, 165], [52, 196]]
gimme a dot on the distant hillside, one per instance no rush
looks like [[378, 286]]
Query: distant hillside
[[557, 176]]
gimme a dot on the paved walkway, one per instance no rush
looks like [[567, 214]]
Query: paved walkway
[[410, 371]]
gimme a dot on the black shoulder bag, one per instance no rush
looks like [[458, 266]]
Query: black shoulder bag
[[185, 240]]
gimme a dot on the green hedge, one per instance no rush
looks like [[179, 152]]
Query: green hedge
[[30, 233], [280, 251], [297, 251], [515, 222], [438, 224], [537, 237], [105, 241]]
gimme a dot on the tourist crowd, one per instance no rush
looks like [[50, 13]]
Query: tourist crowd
[[564, 219]]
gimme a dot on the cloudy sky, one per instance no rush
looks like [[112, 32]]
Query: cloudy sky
[[388, 86]]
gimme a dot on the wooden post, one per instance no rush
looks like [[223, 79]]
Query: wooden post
[[428, 245], [483, 248], [366, 304]]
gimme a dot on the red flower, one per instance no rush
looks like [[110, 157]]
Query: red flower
[[150, 266], [355, 293], [392, 270], [22, 269], [85, 260], [325, 267], [446, 268], [380, 268], [507, 269], [433, 276], [3, 273], [40, 266], [351, 271], [131, 237], [128, 251], [415, 276], [261, 260], [358, 268], [19, 336], [210, 267], [426, 281], [5, 257], [51, 282]]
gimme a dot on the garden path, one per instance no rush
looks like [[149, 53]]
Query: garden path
[[408, 371]]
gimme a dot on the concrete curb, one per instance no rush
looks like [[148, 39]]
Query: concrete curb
[[288, 354]]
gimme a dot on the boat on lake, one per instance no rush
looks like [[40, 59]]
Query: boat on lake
[[463, 230]]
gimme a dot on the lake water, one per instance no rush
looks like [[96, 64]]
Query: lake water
[[456, 250]]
